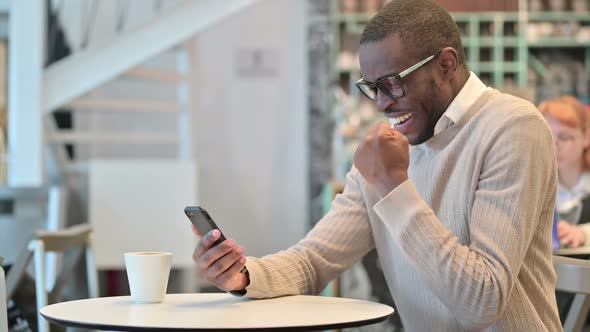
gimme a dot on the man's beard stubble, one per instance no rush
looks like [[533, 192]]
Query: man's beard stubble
[[433, 113]]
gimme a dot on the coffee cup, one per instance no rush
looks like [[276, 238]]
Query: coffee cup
[[148, 273]]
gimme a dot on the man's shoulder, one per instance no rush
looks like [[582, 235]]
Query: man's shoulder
[[501, 115], [501, 110], [504, 104]]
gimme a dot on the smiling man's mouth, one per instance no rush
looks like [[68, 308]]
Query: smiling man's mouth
[[399, 120]]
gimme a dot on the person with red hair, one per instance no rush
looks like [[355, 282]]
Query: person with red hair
[[569, 124]]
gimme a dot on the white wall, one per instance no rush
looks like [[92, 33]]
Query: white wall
[[252, 141], [252, 131]]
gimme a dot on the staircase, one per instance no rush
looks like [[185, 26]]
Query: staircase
[[86, 83], [145, 126]]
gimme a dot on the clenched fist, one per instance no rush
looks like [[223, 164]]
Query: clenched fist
[[383, 158]]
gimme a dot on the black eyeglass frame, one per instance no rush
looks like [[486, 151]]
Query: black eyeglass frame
[[375, 86]]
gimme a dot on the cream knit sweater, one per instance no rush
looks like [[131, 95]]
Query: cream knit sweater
[[468, 247]]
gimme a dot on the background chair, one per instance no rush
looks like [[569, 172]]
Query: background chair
[[573, 276], [23, 211], [74, 240]]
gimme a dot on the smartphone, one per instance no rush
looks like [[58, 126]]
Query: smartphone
[[203, 222]]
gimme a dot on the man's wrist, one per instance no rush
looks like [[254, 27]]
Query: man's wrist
[[393, 182], [245, 281], [241, 291]]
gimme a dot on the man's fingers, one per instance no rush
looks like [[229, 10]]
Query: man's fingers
[[226, 277], [205, 243], [222, 264], [385, 128], [211, 256]]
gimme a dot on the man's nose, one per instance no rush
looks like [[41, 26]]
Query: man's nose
[[383, 102]]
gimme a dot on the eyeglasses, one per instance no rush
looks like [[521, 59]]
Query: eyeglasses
[[391, 86]]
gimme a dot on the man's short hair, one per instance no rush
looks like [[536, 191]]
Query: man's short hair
[[424, 27]]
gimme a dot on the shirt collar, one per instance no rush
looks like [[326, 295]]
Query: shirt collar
[[472, 90]]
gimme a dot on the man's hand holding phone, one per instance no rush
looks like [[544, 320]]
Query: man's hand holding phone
[[220, 264]]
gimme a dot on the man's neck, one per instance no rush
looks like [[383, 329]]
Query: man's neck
[[462, 78]]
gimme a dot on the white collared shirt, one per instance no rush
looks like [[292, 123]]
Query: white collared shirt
[[472, 90]]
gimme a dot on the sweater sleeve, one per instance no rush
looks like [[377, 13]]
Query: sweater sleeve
[[336, 242], [515, 196]]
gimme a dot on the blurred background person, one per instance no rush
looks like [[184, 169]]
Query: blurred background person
[[569, 125]]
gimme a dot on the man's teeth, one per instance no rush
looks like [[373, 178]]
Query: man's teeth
[[400, 119]]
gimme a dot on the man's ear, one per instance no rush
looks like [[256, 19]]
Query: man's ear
[[448, 63]]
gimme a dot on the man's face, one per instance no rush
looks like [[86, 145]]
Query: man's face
[[419, 110]]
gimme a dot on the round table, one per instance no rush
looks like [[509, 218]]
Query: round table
[[217, 311]]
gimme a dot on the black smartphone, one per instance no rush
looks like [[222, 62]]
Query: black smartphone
[[203, 222]]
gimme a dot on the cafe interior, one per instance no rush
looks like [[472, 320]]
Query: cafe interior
[[116, 115]]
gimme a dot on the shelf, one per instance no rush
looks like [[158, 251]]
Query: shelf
[[544, 16], [567, 16], [558, 42], [507, 67], [490, 41], [357, 17], [484, 66], [485, 16]]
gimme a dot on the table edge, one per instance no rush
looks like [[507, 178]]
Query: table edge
[[571, 252], [68, 323]]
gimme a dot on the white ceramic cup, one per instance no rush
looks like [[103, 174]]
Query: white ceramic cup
[[148, 273]]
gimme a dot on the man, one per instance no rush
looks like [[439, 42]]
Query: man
[[461, 219]]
